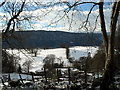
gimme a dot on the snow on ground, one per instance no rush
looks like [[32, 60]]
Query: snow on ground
[[15, 76], [37, 63], [78, 51]]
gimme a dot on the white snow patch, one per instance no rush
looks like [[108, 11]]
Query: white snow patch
[[37, 63]]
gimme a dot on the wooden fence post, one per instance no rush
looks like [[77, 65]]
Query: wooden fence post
[[45, 75], [33, 77], [21, 78], [57, 75], [69, 75]]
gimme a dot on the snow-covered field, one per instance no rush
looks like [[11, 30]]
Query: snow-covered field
[[37, 63]]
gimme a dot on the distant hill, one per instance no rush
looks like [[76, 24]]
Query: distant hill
[[51, 39]]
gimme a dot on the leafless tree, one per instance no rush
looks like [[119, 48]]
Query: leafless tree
[[49, 59], [14, 9], [109, 71], [49, 65], [27, 65], [15, 19]]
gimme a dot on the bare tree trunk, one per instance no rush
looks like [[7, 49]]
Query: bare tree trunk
[[103, 28], [109, 72]]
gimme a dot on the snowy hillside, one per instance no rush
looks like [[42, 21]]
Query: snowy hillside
[[37, 62]]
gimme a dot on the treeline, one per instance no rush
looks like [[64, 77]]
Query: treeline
[[51, 39]]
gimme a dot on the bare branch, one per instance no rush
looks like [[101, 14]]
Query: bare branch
[[14, 17], [95, 23], [89, 14], [2, 3], [56, 20], [86, 21]]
